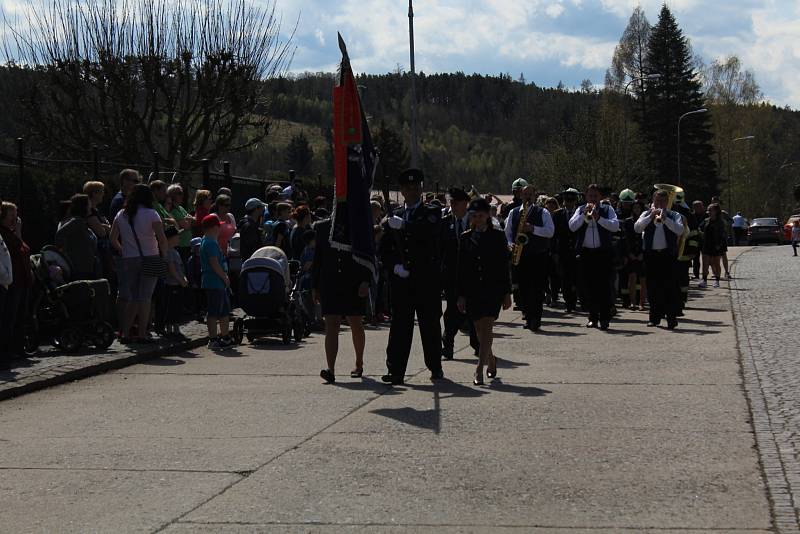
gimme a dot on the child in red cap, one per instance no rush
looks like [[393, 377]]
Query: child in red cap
[[215, 282]]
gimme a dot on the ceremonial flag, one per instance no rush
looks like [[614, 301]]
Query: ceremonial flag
[[355, 160]]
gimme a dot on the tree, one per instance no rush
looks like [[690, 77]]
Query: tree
[[630, 57], [726, 83], [138, 77], [299, 154], [676, 92], [393, 154]]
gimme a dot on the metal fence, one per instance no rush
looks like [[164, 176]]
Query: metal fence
[[39, 185]]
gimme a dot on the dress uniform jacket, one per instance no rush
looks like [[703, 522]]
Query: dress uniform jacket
[[335, 276], [483, 266], [416, 246]]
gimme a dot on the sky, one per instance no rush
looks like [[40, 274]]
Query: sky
[[546, 40]]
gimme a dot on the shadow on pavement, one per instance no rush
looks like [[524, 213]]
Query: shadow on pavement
[[623, 332], [164, 362], [523, 391], [425, 419]]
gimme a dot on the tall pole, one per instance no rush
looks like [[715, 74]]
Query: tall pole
[[703, 110], [730, 174], [414, 145]]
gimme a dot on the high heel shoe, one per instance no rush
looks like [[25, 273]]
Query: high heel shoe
[[491, 372], [478, 380], [356, 373]]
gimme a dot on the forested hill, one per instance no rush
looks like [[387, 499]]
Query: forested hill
[[481, 130], [488, 130]]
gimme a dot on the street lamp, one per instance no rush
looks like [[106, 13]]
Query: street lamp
[[654, 76], [695, 112], [730, 175]]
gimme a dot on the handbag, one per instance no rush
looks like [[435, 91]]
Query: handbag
[[151, 265]]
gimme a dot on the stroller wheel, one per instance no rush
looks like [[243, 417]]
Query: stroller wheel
[[70, 340], [238, 331], [102, 335]]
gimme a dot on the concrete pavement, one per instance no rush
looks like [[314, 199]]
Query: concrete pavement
[[637, 429]]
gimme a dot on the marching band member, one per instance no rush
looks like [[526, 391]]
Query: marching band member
[[483, 281], [531, 272], [566, 248], [661, 229], [595, 225], [453, 225], [411, 249]]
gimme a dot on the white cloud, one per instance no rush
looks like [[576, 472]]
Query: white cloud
[[320, 37], [554, 10]]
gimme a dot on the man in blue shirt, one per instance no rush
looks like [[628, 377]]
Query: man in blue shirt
[[127, 179], [215, 282]]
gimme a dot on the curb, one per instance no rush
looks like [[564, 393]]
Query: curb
[[101, 367]]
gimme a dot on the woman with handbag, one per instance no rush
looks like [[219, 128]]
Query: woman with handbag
[[138, 235]]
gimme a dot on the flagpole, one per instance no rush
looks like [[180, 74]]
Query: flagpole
[[414, 145]]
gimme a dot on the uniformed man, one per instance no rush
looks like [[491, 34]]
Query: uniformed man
[[566, 248], [411, 251], [661, 228], [531, 273], [455, 223], [594, 225]]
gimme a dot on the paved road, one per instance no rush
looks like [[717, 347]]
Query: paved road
[[765, 303], [587, 430]]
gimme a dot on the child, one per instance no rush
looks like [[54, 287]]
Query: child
[[796, 235], [215, 283], [173, 285]]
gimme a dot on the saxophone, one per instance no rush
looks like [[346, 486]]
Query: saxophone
[[522, 238]]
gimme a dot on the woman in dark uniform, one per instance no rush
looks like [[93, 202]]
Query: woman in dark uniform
[[483, 281], [635, 265], [341, 286]]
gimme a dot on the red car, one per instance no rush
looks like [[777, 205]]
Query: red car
[[787, 228]]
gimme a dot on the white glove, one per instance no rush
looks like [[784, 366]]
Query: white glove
[[401, 271], [396, 223]]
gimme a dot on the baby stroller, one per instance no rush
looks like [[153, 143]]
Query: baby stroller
[[268, 298], [70, 313]]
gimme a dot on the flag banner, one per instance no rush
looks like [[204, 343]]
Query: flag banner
[[355, 160]]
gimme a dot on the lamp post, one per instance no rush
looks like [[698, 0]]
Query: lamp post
[[695, 112], [414, 146], [730, 174], [654, 76]]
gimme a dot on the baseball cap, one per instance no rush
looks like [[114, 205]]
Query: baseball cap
[[210, 221], [519, 183], [253, 203]]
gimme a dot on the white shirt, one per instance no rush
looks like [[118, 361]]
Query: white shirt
[[672, 220], [592, 237], [547, 230], [143, 223], [6, 272]]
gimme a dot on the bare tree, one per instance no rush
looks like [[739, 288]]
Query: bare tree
[[181, 78], [726, 83], [630, 55]]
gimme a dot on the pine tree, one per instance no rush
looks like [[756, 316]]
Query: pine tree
[[393, 154], [299, 154], [676, 92]]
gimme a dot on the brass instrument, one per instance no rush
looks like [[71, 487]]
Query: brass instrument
[[588, 213], [522, 238], [673, 191]]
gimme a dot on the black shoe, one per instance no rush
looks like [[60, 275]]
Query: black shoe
[[604, 325], [591, 324], [653, 324], [447, 353], [680, 314], [437, 375], [672, 325], [327, 376], [390, 379], [533, 327]]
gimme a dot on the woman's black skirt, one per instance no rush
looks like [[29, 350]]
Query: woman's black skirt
[[342, 301], [483, 306]]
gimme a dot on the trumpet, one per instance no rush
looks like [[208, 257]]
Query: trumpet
[[588, 213], [660, 216]]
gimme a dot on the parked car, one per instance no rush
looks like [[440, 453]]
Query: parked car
[[765, 230], [787, 228]]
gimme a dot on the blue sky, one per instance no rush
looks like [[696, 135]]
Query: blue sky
[[547, 40]]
